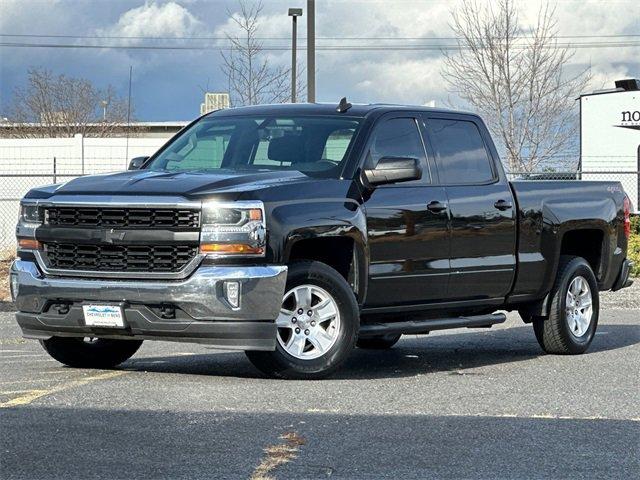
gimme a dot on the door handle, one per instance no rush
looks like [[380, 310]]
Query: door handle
[[503, 205], [436, 207]]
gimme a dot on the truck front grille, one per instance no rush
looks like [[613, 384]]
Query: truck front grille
[[122, 217], [119, 258]]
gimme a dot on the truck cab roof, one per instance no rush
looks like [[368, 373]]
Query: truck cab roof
[[356, 110]]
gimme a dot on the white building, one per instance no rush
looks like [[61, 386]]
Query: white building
[[610, 136], [214, 101]]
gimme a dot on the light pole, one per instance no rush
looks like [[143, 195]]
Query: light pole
[[104, 103], [294, 13], [311, 51]]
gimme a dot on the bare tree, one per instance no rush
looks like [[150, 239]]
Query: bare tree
[[516, 79], [61, 106], [251, 77]]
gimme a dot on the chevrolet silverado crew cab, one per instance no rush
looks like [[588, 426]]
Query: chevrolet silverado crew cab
[[298, 232]]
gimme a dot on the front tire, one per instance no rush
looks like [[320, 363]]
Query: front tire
[[317, 326], [90, 352], [573, 316]]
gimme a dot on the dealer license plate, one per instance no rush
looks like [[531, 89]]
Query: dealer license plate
[[103, 316]]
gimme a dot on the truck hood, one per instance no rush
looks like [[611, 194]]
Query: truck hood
[[188, 184]]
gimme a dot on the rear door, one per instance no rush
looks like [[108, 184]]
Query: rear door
[[483, 221], [407, 223]]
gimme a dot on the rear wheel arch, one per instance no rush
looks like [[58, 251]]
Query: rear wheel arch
[[587, 243]]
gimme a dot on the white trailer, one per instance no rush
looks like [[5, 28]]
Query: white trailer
[[610, 136]]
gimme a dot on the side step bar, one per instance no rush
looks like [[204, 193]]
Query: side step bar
[[425, 326]]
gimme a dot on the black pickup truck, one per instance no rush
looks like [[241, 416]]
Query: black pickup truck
[[298, 232]]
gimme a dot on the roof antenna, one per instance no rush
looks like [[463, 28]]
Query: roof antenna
[[343, 106]]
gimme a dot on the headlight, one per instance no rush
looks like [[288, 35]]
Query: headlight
[[30, 213], [233, 229]]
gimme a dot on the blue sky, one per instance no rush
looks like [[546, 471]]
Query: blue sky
[[167, 85]]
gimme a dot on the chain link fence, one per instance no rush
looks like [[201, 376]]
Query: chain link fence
[[13, 186], [18, 178]]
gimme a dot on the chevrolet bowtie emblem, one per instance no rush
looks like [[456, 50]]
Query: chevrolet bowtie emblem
[[111, 235]]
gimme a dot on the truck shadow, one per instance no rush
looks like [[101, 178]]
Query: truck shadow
[[455, 353]]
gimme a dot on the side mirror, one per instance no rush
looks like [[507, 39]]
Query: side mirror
[[137, 162], [394, 170]]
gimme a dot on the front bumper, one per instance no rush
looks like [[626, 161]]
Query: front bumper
[[52, 306]]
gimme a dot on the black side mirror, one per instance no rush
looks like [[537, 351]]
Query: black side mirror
[[137, 162], [394, 170]]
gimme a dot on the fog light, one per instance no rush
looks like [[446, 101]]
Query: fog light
[[13, 286], [232, 293]]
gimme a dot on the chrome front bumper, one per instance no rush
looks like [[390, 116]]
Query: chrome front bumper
[[203, 313]]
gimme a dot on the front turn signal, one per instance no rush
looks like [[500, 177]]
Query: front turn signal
[[230, 248], [29, 244]]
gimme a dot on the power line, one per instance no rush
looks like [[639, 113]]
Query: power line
[[326, 48], [134, 37]]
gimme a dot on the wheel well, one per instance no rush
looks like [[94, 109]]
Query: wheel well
[[586, 244], [337, 252]]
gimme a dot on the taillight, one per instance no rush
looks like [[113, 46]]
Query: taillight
[[627, 217]]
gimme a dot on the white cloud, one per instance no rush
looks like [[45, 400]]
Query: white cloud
[[414, 76], [411, 81], [156, 20], [388, 75]]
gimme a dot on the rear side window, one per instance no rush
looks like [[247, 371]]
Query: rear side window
[[460, 152]]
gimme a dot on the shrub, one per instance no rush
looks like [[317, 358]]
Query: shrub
[[633, 252], [635, 224]]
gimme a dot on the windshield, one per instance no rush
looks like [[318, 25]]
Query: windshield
[[312, 145]]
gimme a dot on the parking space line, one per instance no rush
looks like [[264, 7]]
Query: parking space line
[[534, 416], [32, 360], [520, 416], [32, 395], [35, 380], [25, 355]]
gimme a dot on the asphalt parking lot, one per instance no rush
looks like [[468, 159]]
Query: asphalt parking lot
[[457, 404]]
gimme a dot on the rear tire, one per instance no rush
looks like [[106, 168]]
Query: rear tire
[[303, 351], [573, 315], [382, 342], [95, 353]]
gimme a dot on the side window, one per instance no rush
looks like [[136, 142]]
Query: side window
[[398, 137], [460, 152]]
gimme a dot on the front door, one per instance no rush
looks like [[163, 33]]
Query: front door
[[407, 223]]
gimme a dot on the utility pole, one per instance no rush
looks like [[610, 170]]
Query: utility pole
[[126, 155], [294, 13], [311, 51]]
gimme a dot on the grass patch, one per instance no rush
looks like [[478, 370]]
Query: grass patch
[[5, 294], [633, 251]]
